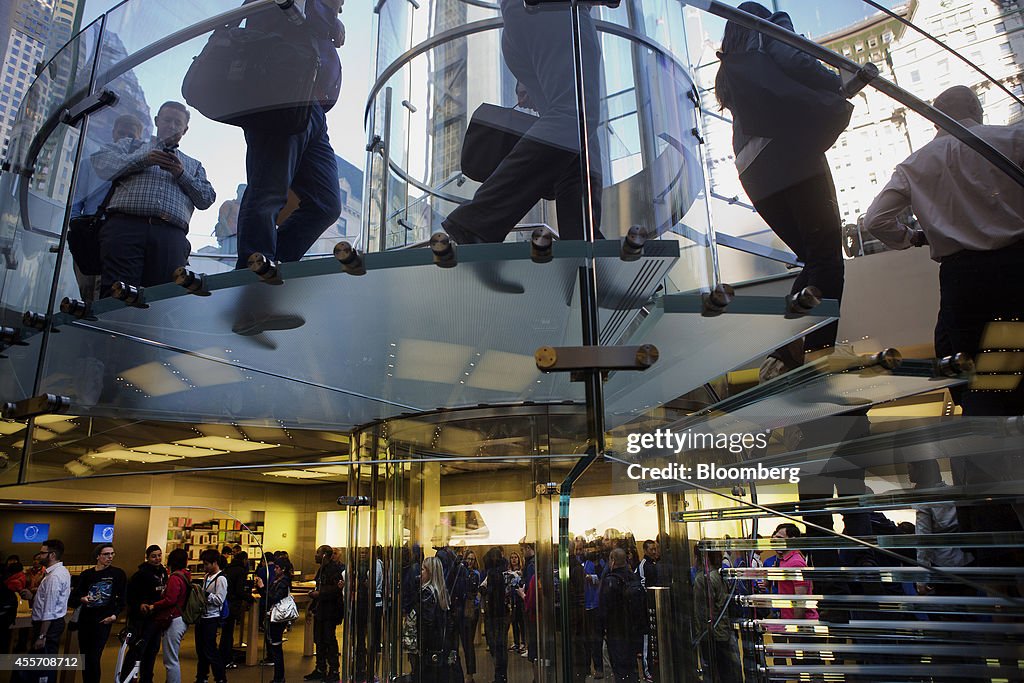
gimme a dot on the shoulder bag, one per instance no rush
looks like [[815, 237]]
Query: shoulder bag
[[769, 103], [255, 79]]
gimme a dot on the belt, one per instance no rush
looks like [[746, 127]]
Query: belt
[[163, 219]]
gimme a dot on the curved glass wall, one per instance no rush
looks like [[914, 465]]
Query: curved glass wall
[[414, 391]]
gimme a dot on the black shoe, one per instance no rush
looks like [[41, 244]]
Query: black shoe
[[314, 675], [250, 326], [332, 677], [461, 235]]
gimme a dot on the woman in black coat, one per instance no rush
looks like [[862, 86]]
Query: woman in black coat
[[788, 179]]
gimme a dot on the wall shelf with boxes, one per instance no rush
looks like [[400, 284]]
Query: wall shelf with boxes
[[196, 535]]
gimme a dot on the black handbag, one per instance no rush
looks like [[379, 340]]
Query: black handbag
[[255, 79], [84, 237], [492, 133], [769, 103]]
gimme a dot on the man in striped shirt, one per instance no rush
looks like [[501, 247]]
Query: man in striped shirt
[[158, 187]]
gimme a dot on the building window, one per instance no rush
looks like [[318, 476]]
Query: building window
[[971, 35], [859, 46], [915, 76], [912, 53], [1004, 49], [1000, 27], [943, 66], [872, 42], [846, 51], [887, 37]]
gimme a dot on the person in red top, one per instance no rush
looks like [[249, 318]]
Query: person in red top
[[793, 558], [167, 611]]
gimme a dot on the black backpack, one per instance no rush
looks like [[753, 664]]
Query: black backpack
[[632, 602], [456, 579]]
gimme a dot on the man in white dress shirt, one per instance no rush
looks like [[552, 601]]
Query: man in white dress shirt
[[49, 603]]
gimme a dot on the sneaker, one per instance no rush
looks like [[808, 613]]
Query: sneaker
[[313, 675]]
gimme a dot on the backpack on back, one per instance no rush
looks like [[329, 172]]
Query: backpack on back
[[633, 603], [195, 602]]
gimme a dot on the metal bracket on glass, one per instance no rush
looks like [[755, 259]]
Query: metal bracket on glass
[[89, 105], [35, 321], [292, 11], [376, 144], [353, 501], [860, 79], [443, 249], [954, 366], [578, 360], [803, 302], [695, 132], [546, 489], [37, 405], [633, 243], [350, 259], [131, 295], [194, 283], [715, 302], [10, 336], [541, 241], [76, 308], [265, 269]]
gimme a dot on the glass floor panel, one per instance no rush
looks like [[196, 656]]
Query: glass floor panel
[[695, 349]]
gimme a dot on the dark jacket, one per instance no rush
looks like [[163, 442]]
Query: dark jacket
[[328, 605], [320, 23], [622, 620], [438, 633], [239, 593], [496, 595], [796, 63], [144, 587], [107, 592]]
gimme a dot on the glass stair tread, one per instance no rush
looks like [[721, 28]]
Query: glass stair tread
[[813, 392], [876, 574], [695, 349], [999, 539]]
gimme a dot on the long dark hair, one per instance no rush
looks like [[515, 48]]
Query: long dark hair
[[736, 38]]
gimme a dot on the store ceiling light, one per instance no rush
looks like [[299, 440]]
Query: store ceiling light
[[995, 382], [219, 430], [225, 443], [155, 379], [179, 450], [8, 427], [1003, 335], [999, 361], [205, 373], [127, 455], [502, 371], [54, 419], [296, 474], [430, 361]]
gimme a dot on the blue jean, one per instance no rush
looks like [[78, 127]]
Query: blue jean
[[207, 652], [304, 162]]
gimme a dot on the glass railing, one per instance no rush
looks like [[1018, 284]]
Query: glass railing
[[329, 374]]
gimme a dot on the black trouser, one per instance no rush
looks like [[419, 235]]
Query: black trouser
[[362, 631], [623, 657], [325, 635], [207, 651], [275, 643], [538, 53], [806, 217], [517, 622], [140, 251], [467, 635], [595, 644], [145, 645], [977, 287], [92, 637], [227, 638], [723, 657], [6, 621], [497, 640]]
